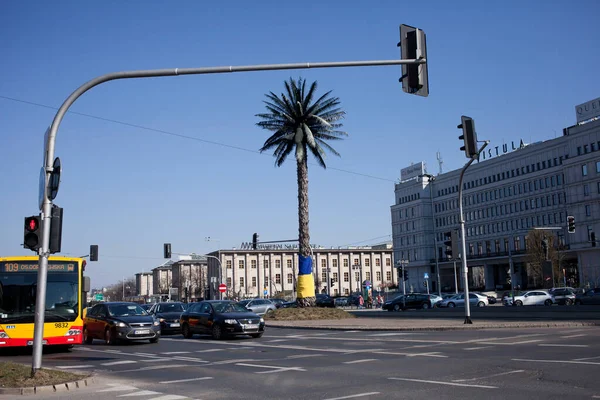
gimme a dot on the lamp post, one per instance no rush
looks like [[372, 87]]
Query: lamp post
[[437, 265], [355, 268]]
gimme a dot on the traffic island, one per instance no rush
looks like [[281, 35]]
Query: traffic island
[[15, 379], [307, 314]]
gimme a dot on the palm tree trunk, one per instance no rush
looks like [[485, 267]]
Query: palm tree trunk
[[305, 282]]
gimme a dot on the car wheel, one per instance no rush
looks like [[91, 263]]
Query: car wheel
[[397, 307], [518, 303], [269, 312], [425, 306], [217, 332], [187, 333], [481, 304], [451, 305], [568, 302], [109, 337], [548, 302], [87, 339], [154, 340], [256, 335]]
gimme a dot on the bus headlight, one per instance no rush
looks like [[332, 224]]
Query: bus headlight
[[3, 335], [73, 332]]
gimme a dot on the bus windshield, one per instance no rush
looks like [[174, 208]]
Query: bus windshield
[[18, 290]]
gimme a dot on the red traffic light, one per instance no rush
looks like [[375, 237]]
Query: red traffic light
[[32, 224]]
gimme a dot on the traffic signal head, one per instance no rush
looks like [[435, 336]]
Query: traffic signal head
[[93, 252], [167, 250], [571, 224], [469, 136], [414, 78], [56, 229], [254, 241], [32, 238], [451, 242], [405, 275]]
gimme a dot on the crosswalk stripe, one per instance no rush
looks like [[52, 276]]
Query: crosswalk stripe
[[140, 393]]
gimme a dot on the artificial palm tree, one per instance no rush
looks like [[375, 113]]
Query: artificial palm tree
[[302, 124]]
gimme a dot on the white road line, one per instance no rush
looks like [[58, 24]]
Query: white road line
[[189, 380], [239, 348], [158, 367], [586, 358], [562, 345], [351, 331], [75, 366], [117, 388], [572, 336], [158, 359], [278, 340], [510, 344], [359, 361], [224, 362], [140, 393], [353, 396], [119, 362], [434, 354], [272, 367], [175, 352], [344, 339], [145, 354], [557, 361], [445, 383], [392, 334], [192, 359], [274, 371], [304, 356], [477, 348], [169, 397], [491, 339], [208, 351], [489, 376], [572, 330]]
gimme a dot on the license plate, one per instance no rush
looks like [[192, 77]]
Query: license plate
[[175, 325], [142, 332], [251, 326]]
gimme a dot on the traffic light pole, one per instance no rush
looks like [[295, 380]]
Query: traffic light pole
[[462, 235]]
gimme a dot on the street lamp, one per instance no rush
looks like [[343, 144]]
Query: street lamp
[[437, 266], [356, 267]]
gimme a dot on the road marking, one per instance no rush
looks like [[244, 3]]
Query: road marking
[[490, 339], [489, 376], [157, 367], [351, 331], [157, 359], [353, 396], [510, 344], [359, 361], [117, 388], [278, 340], [272, 367], [169, 397], [433, 354], [140, 393], [392, 334], [175, 352], [572, 336], [562, 345], [208, 350], [224, 362], [119, 362], [477, 348], [188, 380], [239, 348], [445, 383], [75, 366], [304, 356], [145, 354], [557, 361], [586, 358], [390, 340], [573, 330], [192, 359]]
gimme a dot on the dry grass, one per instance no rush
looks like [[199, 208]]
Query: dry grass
[[18, 375], [308, 313]]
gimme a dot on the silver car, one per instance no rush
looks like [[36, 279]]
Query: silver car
[[259, 306], [535, 298], [458, 300]]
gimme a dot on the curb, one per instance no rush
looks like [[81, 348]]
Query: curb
[[61, 387]]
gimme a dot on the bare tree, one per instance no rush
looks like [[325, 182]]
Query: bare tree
[[541, 246]]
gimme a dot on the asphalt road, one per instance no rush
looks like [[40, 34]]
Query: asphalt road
[[550, 363]]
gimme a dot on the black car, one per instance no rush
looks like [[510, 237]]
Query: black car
[[277, 302], [168, 315], [119, 321], [324, 300], [413, 300], [591, 296], [220, 318]]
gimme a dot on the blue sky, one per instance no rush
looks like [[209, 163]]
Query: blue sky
[[176, 159]]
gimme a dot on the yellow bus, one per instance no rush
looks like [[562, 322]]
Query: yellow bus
[[65, 299]]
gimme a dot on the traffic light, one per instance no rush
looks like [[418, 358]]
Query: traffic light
[[254, 241], [424, 283], [415, 79], [93, 252], [571, 224], [167, 250], [451, 242], [331, 282], [56, 229], [405, 275], [545, 248], [32, 238], [469, 136]]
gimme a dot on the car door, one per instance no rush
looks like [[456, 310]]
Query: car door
[[193, 318], [205, 318], [595, 298], [91, 323]]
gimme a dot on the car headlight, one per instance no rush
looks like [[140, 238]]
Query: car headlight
[[156, 323], [121, 324], [231, 321], [262, 321], [161, 319]]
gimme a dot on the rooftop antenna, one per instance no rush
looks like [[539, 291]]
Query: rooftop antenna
[[438, 155]]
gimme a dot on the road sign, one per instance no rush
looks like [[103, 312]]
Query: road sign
[[426, 275], [99, 297], [265, 292], [222, 288], [54, 181]]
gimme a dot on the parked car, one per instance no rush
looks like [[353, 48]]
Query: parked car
[[563, 296], [534, 298], [591, 296], [221, 319], [119, 321], [258, 306], [147, 306], [324, 300], [507, 296], [277, 302], [404, 302], [435, 299], [168, 315], [458, 300], [289, 304], [341, 301]]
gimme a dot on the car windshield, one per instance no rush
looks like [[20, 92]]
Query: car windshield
[[126, 310], [244, 302], [226, 307], [171, 307]]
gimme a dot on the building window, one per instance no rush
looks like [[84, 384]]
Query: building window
[[597, 166], [266, 263], [378, 262], [588, 210], [323, 263], [368, 276], [388, 276], [586, 190], [229, 282], [378, 276], [578, 150], [357, 276], [584, 170], [324, 276], [253, 281], [241, 264], [253, 264], [345, 262], [266, 281], [278, 278], [335, 277], [290, 278], [289, 263], [346, 277], [242, 281], [367, 262], [228, 262], [278, 264], [334, 263]]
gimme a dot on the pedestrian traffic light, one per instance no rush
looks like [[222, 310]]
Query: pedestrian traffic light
[[571, 224], [469, 136], [167, 250], [451, 242], [55, 229], [93, 252], [331, 282], [413, 46], [254, 241], [405, 275], [32, 238]]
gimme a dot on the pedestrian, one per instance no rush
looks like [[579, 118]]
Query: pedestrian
[[379, 301], [361, 301], [370, 301]]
